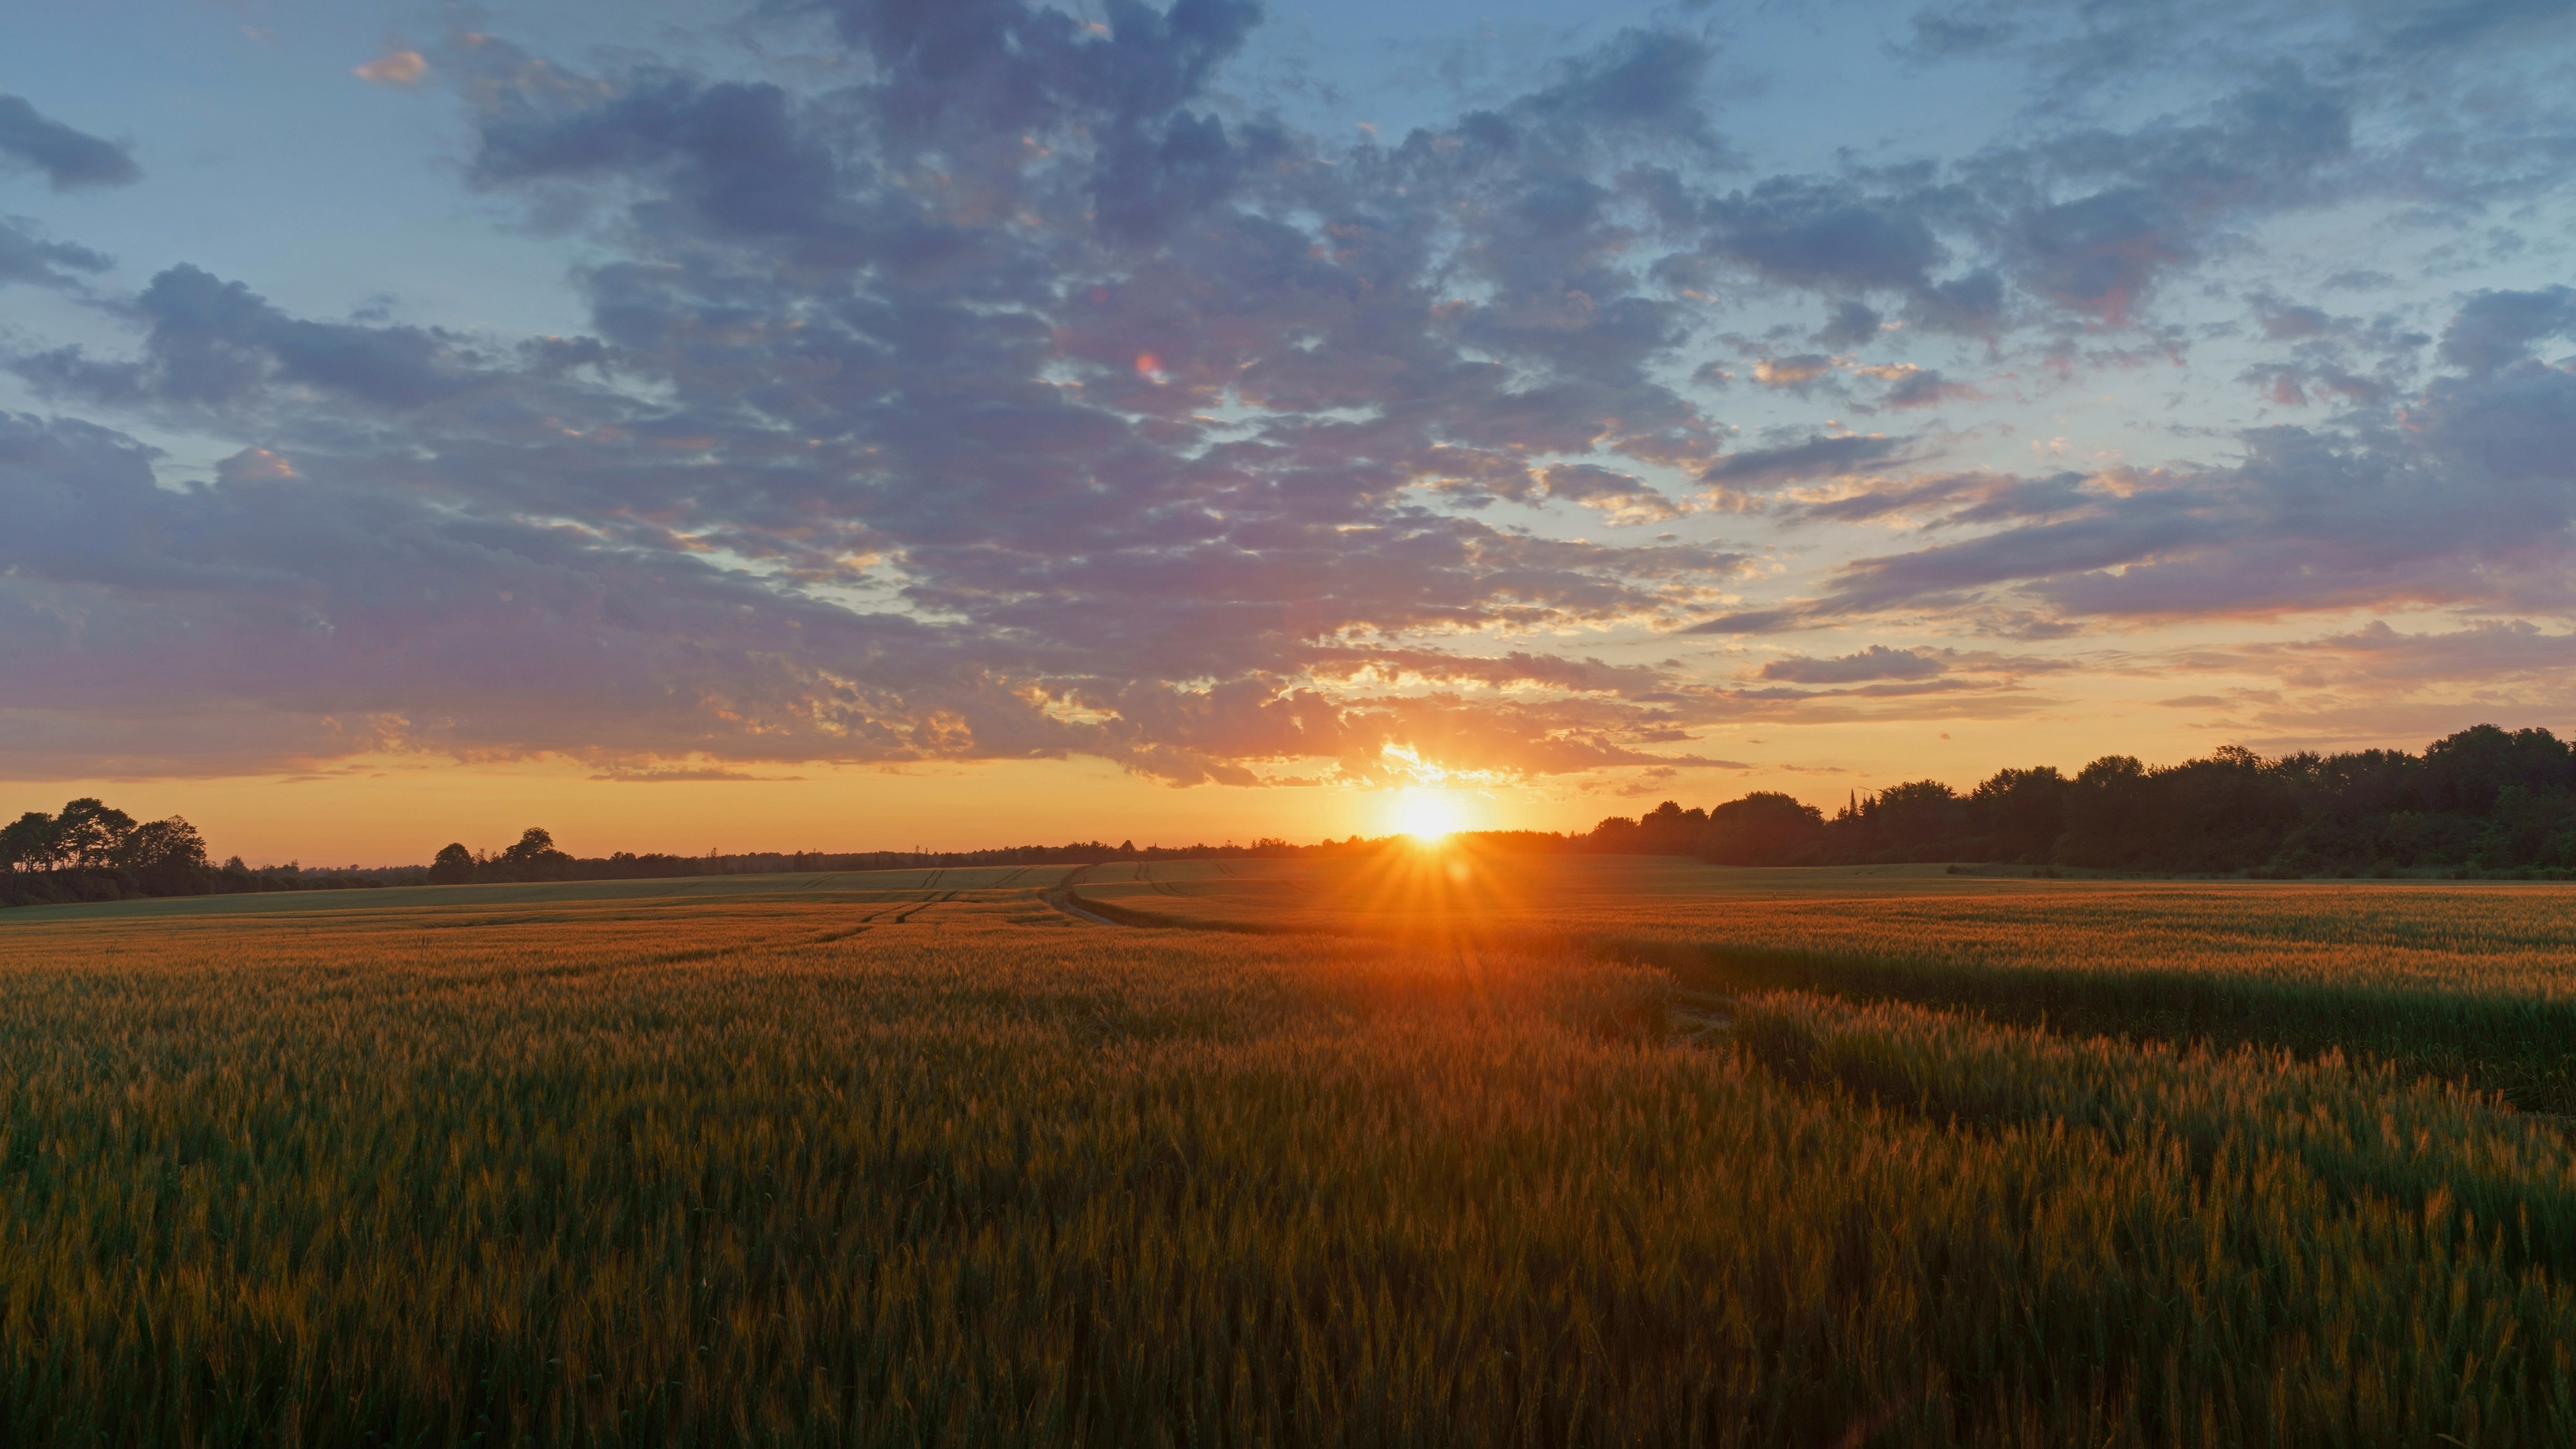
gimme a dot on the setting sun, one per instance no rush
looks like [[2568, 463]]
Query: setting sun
[[1426, 815]]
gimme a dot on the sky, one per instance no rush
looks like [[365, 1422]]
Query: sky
[[868, 424]]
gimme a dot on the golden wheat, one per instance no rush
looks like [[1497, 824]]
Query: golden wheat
[[758, 1164]]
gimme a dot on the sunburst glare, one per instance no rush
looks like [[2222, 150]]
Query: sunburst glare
[[1429, 816]]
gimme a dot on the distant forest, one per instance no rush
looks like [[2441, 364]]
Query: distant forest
[[2485, 802], [536, 858]]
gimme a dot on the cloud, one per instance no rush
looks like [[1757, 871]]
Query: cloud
[[214, 342], [395, 68], [2472, 20], [1623, 496], [2381, 685], [1759, 621], [32, 141], [2067, 56], [2288, 323], [1642, 81], [1819, 457], [2494, 329], [1944, 500], [1852, 324], [1875, 662], [1792, 372], [302, 617], [2086, 221], [1937, 36], [27, 257], [1517, 668], [686, 775], [1845, 235], [2472, 504], [847, 473], [1823, 234], [735, 156], [2494, 653], [2162, 190], [1920, 387]]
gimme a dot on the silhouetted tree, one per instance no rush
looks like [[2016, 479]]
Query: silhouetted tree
[[2020, 813], [2231, 811], [1913, 821], [89, 831], [1764, 828], [30, 843], [1667, 829], [166, 858], [2105, 811], [533, 858], [162, 845], [453, 866], [2464, 772]]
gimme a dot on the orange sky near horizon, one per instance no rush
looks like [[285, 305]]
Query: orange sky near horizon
[[397, 810]]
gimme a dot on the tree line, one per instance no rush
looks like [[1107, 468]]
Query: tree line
[[92, 851], [2484, 801], [535, 857]]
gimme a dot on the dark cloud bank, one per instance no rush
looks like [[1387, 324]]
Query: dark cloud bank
[[1030, 397]]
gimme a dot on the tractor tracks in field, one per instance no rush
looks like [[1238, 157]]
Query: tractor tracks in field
[[902, 913], [1063, 900], [1102, 913], [571, 971], [925, 904]]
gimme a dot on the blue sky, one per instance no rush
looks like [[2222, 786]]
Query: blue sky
[[1305, 401]]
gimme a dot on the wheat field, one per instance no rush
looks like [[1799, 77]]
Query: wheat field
[[923, 1159], [2466, 982]]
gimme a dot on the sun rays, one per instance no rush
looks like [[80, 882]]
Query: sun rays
[[1429, 816]]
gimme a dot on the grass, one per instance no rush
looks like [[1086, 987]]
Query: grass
[[888, 1160]]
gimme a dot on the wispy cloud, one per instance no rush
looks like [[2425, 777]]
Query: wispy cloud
[[395, 68]]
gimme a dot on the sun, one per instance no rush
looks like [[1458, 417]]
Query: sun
[[1426, 815]]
